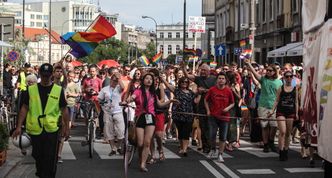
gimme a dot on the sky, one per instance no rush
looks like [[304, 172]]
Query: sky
[[131, 11]]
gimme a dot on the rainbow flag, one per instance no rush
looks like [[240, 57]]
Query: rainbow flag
[[213, 64], [189, 51], [193, 58], [246, 54], [242, 43], [157, 58], [144, 60], [83, 43]]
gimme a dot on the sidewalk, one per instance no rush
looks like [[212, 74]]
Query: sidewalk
[[14, 158]]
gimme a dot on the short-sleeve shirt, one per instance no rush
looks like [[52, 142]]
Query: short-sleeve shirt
[[186, 105], [139, 101], [44, 92], [218, 100], [269, 90], [112, 97], [95, 84], [72, 88]]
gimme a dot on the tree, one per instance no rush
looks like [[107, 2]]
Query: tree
[[108, 49], [150, 50]]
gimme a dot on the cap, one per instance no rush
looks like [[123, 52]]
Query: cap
[[46, 69]]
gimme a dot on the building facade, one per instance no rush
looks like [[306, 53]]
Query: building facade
[[170, 39], [277, 22], [208, 11]]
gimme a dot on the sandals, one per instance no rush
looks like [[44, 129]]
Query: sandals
[[161, 156], [150, 160]]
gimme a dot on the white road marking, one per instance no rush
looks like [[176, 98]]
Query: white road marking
[[169, 154], [67, 152], [103, 150], [224, 155], [259, 152], [211, 169], [302, 170], [256, 171], [226, 170]]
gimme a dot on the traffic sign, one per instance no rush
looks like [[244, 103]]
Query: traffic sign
[[13, 55], [220, 50]]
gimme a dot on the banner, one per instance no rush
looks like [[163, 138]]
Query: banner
[[324, 93], [311, 56], [313, 13]]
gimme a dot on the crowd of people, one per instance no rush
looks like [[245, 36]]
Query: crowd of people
[[194, 107]]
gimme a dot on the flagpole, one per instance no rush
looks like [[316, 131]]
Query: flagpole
[[194, 64]]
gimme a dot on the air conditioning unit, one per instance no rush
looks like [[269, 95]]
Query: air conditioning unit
[[244, 26]]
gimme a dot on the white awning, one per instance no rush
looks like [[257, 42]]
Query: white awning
[[4, 44], [297, 51], [281, 52]]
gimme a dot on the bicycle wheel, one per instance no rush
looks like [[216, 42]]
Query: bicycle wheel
[[91, 139], [130, 153]]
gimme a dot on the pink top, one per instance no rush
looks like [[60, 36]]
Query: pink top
[[139, 101]]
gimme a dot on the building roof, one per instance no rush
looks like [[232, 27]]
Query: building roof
[[34, 33]]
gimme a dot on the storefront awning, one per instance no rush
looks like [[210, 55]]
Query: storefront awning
[[281, 52], [297, 51]]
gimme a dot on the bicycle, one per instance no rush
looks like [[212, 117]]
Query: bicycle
[[90, 112], [129, 145]]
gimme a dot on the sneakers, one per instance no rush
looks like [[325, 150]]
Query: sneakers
[[220, 158], [194, 142], [60, 160], [266, 148], [213, 154], [113, 152]]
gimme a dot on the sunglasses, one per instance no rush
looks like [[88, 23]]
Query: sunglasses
[[185, 81], [288, 76], [269, 70]]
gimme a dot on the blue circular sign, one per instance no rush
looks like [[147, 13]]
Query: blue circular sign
[[13, 55]]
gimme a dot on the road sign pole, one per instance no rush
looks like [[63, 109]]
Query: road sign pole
[[194, 62]]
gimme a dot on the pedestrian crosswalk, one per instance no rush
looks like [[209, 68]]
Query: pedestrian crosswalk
[[103, 151]]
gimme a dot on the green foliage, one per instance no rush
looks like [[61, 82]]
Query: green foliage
[[171, 58], [4, 136], [108, 49], [150, 50]]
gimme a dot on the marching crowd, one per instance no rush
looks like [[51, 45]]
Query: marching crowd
[[196, 106]]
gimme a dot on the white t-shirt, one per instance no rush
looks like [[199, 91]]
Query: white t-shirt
[[112, 97]]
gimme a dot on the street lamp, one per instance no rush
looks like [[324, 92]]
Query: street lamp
[[62, 35], [147, 17]]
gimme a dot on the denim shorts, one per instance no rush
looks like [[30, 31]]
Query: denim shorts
[[214, 125]]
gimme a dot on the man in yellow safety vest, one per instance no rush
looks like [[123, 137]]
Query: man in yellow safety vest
[[43, 103]]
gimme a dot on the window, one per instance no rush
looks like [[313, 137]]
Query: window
[[177, 34], [257, 14], [177, 48], [161, 48], [169, 48], [186, 34], [32, 16], [39, 17], [18, 13], [161, 34], [263, 11], [45, 17], [271, 9], [169, 35], [39, 24], [194, 34], [18, 21], [242, 13], [32, 24]]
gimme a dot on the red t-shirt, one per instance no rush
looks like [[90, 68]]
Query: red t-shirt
[[92, 83], [218, 100]]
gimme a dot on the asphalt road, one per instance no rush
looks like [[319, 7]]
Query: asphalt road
[[248, 161]]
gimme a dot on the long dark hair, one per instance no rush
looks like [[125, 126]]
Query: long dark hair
[[151, 90]]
